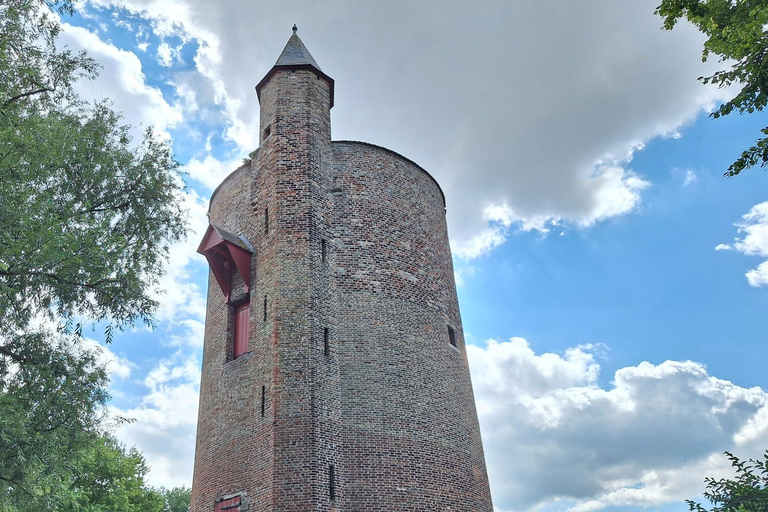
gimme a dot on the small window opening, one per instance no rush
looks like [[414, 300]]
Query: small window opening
[[326, 345], [331, 483], [267, 131], [323, 250], [265, 308], [451, 336], [263, 399], [266, 220]]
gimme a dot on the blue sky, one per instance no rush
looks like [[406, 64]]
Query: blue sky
[[615, 352]]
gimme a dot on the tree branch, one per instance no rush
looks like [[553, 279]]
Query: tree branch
[[26, 95]]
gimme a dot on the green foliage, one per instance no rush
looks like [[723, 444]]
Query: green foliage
[[747, 492], [86, 219], [109, 478], [86, 216], [735, 31], [49, 412], [176, 499]]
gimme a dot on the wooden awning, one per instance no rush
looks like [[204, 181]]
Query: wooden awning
[[226, 253]]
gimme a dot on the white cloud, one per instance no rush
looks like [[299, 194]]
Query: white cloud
[[118, 367], [210, 171], [180, 296], [122, 81], [165, 54], [754, 242], [553, 435], [690, 177], [540, 115], [758, 276], [165, 421]]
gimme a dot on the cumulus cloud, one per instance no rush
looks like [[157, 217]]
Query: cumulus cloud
[[540, 114], [166, 54], [122, 81], [118, 367], [647, 439], [690, 177], [210, 171], [165, 420], [754, 242], [179, 294]]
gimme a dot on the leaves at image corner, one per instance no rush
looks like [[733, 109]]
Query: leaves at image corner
[[86, 219], [746, 492], [86, 215], [736, 33]]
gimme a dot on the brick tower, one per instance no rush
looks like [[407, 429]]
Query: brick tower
[[334, 374]]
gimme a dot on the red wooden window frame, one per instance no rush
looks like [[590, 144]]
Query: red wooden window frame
[[242, 314], [228, 505]]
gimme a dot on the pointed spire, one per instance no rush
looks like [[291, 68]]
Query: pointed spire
[[295, 56], [295, 53]]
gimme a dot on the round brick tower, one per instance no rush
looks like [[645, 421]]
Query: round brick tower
[[335, 375]]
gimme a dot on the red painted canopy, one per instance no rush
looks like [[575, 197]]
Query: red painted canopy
[[226, 253]]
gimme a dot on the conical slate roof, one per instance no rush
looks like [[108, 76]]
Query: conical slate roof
[[295, 56]]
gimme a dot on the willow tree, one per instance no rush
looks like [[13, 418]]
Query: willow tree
[[86, 219]]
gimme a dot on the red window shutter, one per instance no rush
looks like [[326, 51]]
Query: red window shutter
[[229, 505], [242, 319]]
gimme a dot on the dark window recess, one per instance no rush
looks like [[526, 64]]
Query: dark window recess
[[263, 399], [266, 220], [326, 346], [265, 308], [267, 131], [323, 250], [331, 483], [451, 336], [242, 314]]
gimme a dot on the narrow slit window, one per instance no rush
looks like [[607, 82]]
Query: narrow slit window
[[265, 308], [452, 336], [326, 345], [266, 220], [323, 250], [263, 399], [331, 483], [267, 131]]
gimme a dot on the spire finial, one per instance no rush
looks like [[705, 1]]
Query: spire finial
[[295, 28]]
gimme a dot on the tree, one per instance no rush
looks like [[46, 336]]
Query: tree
[[735, 31], [86, 220], [176, 499], [49, 416], [110, 478], [747, 492], [86, 217]]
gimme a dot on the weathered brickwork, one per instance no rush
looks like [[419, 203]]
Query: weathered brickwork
[[353, 359]]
